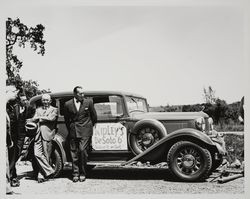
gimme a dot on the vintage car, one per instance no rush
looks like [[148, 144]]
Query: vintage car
[[127, 132]]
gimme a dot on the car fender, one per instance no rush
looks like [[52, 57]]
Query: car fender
[[158, 151], [58, 141]]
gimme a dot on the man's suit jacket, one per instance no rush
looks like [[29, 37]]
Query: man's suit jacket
[[48, 122], [18, 120], [80, 123]]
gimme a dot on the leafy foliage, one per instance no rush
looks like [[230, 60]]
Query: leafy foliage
[[225, 116], [19, 34]]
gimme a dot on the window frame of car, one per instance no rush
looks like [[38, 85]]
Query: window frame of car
[[124, 111], [92, 96], [133, 96]]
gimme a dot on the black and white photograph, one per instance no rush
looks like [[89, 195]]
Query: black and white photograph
[[125, 98]]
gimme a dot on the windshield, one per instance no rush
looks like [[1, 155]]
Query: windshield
[[136, 104]]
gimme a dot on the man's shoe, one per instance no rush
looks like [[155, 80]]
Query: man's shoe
[[50, 176], [82, 178], [75, 179], [40, 180], [15, 182], [10, 192]]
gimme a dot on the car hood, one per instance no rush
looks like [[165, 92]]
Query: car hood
[[168, 115]]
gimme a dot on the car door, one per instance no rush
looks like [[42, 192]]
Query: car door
[[109, 133], [109, 140]]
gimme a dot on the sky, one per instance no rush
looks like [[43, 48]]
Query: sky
[[168, 54]]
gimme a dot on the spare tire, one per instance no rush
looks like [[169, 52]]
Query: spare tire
[[56, 161], [146, 133]]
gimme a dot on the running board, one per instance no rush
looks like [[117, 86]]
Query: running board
[[99, 163]]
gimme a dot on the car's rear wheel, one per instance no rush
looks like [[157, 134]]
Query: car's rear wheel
[[189, 162]]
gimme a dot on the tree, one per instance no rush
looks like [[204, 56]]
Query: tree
[[209, 95], [19, 34]]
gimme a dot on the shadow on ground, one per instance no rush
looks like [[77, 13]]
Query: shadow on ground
[[124, 174]]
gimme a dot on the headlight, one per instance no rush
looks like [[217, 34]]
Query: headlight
[[211, 124], [200, 124]]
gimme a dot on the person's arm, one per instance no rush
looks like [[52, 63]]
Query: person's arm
[[35, 118], [50, 117], [93, 114], [30, 111], [241, 111], [66, 117], [240, 119]]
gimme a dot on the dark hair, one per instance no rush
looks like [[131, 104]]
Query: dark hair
[[21, 94], [75, 89]]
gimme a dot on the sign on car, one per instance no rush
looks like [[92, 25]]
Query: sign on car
[[109, 136]]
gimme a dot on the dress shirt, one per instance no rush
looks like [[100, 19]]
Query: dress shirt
[[21, 109], [77, 104]]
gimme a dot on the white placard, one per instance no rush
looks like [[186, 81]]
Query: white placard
[[109, 136]]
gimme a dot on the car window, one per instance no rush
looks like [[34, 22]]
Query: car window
[[136, 104], [108, 106]]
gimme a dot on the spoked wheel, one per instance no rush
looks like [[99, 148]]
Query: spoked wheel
[[147, 137], [144, 139], [189, 162]]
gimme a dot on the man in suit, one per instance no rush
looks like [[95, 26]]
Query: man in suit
[[21, 111], [80, 117], [11, 94], [46, 117]]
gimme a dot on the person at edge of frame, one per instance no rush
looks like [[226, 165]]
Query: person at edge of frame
[[21, 111], [46, 118], [80, 117], [241, 117], [241, 111], [11, 94]]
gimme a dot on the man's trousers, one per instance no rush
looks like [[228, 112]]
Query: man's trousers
[[42, 151], [15, 152], [79, 152]]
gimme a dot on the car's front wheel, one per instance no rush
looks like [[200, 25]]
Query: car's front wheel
[[189, 162], [56, 162]]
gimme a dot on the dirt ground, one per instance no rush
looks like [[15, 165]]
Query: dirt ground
[[121, 181]]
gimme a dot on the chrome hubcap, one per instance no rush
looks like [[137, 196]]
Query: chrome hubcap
[[188, 161], [147, 137]]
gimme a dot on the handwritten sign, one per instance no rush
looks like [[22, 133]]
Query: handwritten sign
[[109, 136]]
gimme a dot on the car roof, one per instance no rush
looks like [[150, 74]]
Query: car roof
[[70, 93]]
